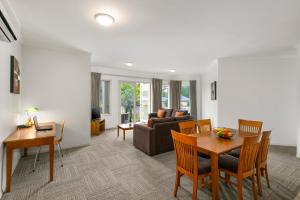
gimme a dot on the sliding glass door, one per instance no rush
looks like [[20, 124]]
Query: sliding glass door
[[135, 101]]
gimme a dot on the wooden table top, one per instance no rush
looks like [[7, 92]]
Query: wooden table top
[[212, 143], [31, 133]]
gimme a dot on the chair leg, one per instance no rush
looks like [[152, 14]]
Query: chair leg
[[195, 187], [60, 157], [240, 189], [177, 183], [258, 179], [253, 187], [262, 172], [36, 158], [227, 178], [267, 177]]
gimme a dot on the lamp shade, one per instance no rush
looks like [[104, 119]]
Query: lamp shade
[[32, 109]]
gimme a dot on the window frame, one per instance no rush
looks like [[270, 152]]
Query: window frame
[[189, 102]]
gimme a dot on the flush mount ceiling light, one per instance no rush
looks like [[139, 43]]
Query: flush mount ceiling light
[[172, 70], [129, 64], [104, 19]]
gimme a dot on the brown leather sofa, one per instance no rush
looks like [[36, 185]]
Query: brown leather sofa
[[157, 139]]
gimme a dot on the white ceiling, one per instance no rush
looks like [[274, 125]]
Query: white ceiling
[[157, 35]]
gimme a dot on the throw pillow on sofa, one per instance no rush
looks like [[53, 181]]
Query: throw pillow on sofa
[[179, 114], [161, 113]]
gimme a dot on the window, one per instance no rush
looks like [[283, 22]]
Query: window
[[165, 94], [185, 96], [105, 97]]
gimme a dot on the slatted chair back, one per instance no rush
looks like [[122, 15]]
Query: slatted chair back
[[248, 155], [264, 147], [250, 126], [185, 147], [187, 127], [204, 125]]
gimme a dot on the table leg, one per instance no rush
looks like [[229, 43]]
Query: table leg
[[124, 134], [215, 175], [51, 158], [25, 152], [118, 131], [8, 167]]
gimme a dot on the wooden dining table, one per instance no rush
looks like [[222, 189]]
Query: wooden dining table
[[211, 144]]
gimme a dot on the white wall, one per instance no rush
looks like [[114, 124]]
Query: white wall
[[116, 76], [298, 91], [9, 103], [262, 89], [210, 107], [58, 82]]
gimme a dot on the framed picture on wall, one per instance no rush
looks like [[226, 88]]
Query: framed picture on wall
[[213, 86], [14, 75]]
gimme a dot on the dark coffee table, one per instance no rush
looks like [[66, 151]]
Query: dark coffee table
[[125, 127]]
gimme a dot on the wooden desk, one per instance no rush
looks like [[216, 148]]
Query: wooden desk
[[28, 137], [210, 143]]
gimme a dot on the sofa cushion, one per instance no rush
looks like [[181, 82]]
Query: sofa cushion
[[185, 112], [161, 120], [183, 118], [168, 112], [179, 114], [161, 113]]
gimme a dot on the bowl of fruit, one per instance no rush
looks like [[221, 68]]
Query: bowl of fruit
[[223, 133]]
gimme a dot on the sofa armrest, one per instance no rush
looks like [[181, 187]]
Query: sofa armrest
[[152, 115], [144, 139]]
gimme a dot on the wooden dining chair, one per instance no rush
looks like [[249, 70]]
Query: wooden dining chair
[[248, 126], [57, 141], [204, 125], [261, 161], [188, 127], [243, 167], [188, 162]]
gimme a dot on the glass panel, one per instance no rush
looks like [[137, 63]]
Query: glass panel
[[165, 95], [137, 102], [127, 102], [144, 101], [104, 96], [185, 96]]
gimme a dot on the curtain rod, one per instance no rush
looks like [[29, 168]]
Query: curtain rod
[[129, 76]]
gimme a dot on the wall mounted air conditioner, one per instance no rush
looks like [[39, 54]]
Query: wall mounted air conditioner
[[6, 33]]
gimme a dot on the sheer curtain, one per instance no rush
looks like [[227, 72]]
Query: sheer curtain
[[175, 94]]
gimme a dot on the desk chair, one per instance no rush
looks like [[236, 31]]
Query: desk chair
[[57, 142]]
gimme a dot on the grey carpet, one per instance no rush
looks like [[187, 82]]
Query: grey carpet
[[112, 169]]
